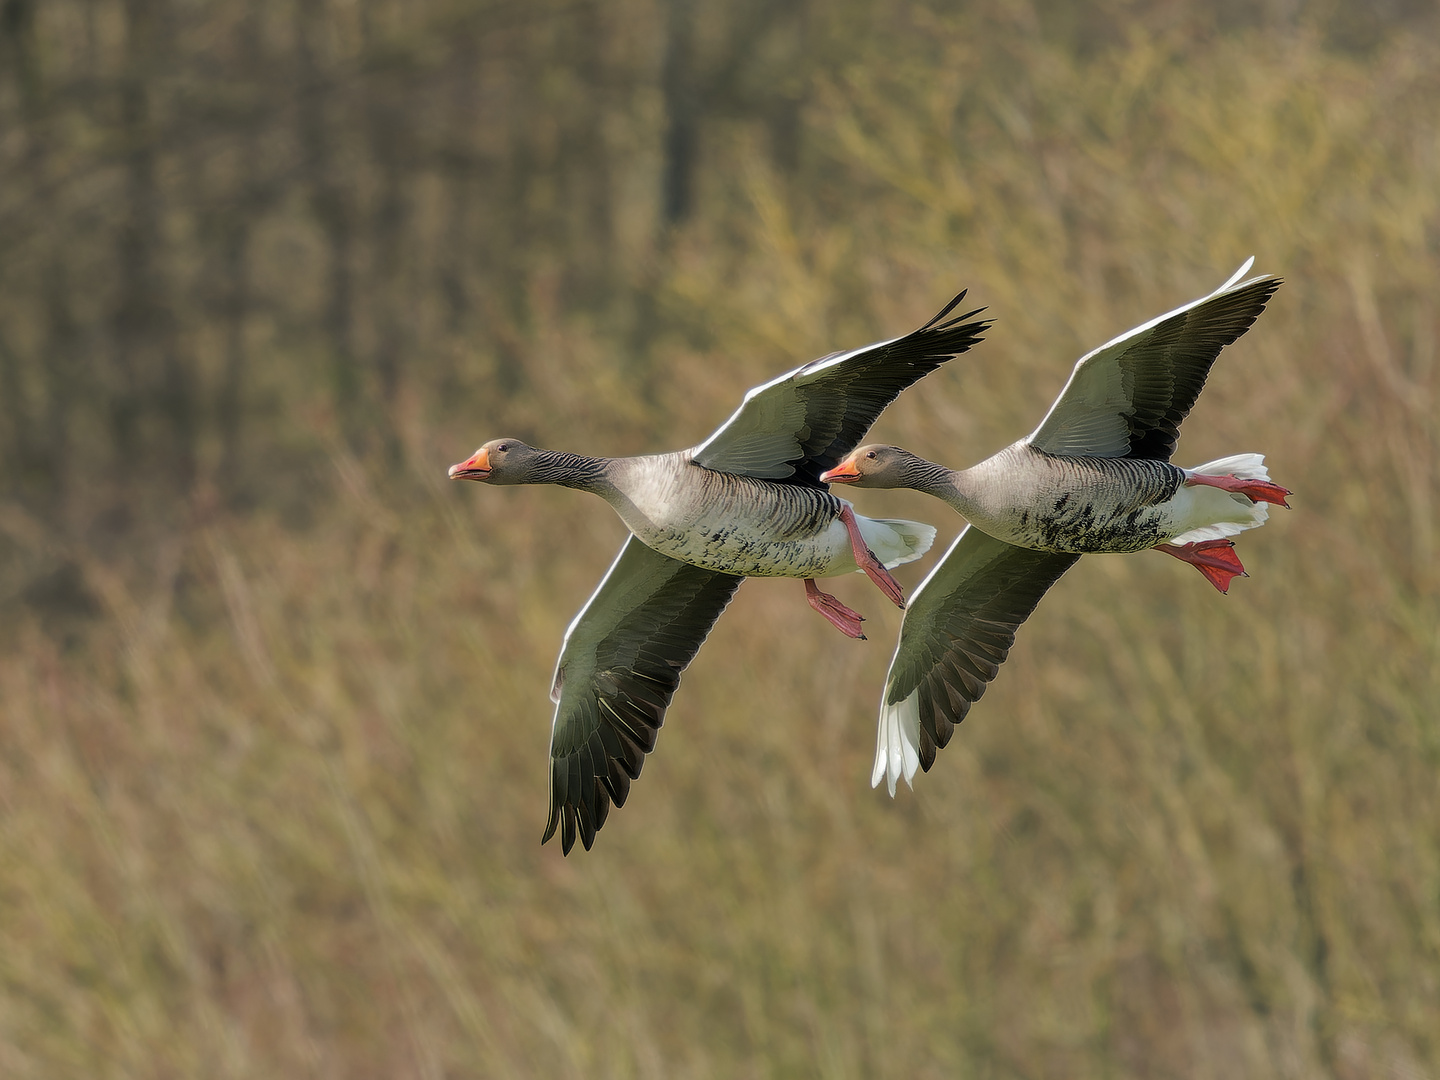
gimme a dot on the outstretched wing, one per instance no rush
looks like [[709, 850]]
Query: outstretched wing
[[802, 423], [1128, 397], [957, 632], [618, 669]]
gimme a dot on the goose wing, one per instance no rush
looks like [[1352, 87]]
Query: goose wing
[[798, 425], [957, 632], [1128, 397], [618, 668]]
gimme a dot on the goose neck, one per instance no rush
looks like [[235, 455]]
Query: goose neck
[[931, 478], [570, 470]]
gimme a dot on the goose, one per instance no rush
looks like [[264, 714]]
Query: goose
[[1095, 476], [746, 502]]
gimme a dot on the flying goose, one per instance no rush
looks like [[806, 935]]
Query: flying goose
[[1095, 476], [748, 501]]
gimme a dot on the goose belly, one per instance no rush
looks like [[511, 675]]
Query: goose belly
[[1088, 527], [746, 526], [733, 549], [1088, 506]]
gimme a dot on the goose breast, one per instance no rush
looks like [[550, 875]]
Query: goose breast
[[734, 524]]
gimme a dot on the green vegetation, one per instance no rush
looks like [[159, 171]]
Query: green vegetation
[[273, 714]]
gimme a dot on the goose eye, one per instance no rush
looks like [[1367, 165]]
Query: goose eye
[[871, 455], [502, 448]]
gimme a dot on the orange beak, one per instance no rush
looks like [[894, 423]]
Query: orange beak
[[844, 473], [476, 467]]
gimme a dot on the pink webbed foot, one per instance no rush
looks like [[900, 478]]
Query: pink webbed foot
[[1255, 490], [841, 617], [865, 559], [1216, 559]]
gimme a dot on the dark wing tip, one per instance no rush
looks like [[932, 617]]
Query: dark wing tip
[[951, 306], [576, 814], [567, 829], [551, 825], [1201, 332], [936, 324]]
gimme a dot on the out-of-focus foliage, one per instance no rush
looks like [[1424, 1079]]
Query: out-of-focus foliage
[[272, 692]]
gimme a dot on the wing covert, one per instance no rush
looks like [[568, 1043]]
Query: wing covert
[[803, 422], [1128, 397]]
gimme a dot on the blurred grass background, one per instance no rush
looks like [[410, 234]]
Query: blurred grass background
[[273, 715]]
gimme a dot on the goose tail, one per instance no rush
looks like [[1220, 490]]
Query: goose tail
[[895, 541], [1240, 466], [1227, 496]]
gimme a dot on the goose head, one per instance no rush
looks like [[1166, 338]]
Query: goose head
[[879, 466], [499, 461]]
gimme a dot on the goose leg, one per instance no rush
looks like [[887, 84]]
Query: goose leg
[[1255, 490], [865, 559], [1216, 559], [841, 617]]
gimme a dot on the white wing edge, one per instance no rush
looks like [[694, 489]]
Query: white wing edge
[[934, 570], [807, 370], [1244, 269], [814, 368], [557, 680], [1134, 331], [749, 394]]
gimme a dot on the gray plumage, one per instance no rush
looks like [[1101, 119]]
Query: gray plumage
[[1094, 476], [746, 502]]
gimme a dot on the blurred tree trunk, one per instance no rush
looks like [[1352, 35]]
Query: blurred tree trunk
[[391, 295], [41, 407], [15, 411], [457, 164], [330, 202], [452, 265], [393, 152], [18, 51], [785, 117], [63, 389], [591, 189], [18, 59], [682, 112], [234, 308], [224, 202], [146, 354], [510, 261]]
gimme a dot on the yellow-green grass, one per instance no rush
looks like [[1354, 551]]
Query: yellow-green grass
[[277, 812]]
